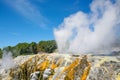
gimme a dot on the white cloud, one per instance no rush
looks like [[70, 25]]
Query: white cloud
[[29, 11], [15, 34]]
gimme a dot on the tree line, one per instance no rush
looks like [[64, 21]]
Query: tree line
[[31, 48]]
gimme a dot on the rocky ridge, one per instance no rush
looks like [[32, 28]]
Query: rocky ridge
[[63, 67]]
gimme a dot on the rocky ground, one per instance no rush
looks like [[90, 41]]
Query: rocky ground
[[63, 67]]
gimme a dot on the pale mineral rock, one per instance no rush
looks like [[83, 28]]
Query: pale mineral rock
[[34, 76], [63, 67]]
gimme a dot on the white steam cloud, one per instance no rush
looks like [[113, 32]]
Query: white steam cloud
[[7, 61], [88, 32]]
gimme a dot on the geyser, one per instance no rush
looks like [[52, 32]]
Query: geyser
[[90, 32]]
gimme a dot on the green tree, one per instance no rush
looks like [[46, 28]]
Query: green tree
[[33, 48], [22, 48], [8, 48], [1, 53], [12, 49], [47, 46]]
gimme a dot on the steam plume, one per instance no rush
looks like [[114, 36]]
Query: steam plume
[[7, 60], [88, 32]]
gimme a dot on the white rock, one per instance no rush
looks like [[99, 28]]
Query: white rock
[[34, 76]]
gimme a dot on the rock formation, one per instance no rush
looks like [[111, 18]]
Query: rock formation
[[63, 67]]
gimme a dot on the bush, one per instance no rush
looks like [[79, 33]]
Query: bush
[[31, 48], [1, 53], [47, 46]]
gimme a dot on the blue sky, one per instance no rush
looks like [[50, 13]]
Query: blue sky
[[34, 20]]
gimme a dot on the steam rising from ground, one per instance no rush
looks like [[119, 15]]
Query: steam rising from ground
[[7, 61], [89, 32]]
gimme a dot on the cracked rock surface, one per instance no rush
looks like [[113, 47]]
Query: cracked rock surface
[[63, 67]]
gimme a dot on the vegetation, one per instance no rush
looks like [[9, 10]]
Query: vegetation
[[47, 46], [0, 53], [31, 48]]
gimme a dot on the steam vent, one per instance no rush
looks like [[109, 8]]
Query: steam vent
[[63, 67]]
